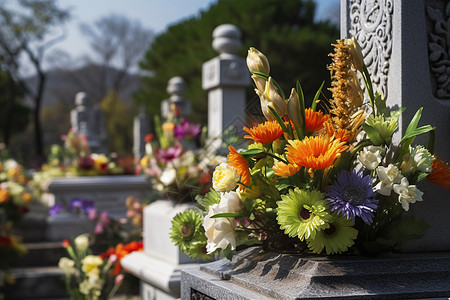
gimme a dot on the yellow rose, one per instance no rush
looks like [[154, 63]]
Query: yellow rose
[[90, 264], [225, 178]]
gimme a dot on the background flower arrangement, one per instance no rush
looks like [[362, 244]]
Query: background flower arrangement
[[89, 276], [75, 159], [93, 270], [178, 162], [325, 181]]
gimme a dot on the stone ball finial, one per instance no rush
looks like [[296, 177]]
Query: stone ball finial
[[81, 99], [226, 39], [176, 86]]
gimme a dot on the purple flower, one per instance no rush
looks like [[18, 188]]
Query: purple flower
[[352, 195], [55, 209], [168, 154], [81, 204], [187, 129]]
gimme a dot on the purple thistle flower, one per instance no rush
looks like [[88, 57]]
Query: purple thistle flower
[[55, 209], [352, 195]]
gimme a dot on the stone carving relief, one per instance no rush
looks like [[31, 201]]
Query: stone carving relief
[[371, 25], [438, 36], [196, 295]]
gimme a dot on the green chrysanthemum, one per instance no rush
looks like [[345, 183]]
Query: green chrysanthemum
[[186, 229], [336, 239], [197, 250], [302, 213]]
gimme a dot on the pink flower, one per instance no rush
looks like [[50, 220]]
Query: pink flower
[[103, 221], [168, 154]]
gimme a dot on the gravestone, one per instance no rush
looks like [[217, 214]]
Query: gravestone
[[176, 105], [405, 44], [406, 48], [108, 193], [89, 121], [226, 79], [141, 127]]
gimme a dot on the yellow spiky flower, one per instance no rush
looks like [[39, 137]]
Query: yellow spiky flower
[[345, 106]]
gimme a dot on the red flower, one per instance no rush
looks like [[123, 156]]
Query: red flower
[[149, 137]]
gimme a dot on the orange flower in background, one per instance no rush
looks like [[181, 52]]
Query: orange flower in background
[[341, 134], [264, 133], [120, 251], [440, 174], [241, 165], [283, 170], [317, 153], [314, 120], [4, 196]]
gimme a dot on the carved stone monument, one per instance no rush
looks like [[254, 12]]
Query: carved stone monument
[[226, 79], [89, 121], [176, 105], [406, 47]]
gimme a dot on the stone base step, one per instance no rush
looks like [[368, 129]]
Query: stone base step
[[41, 254], [36, 283]]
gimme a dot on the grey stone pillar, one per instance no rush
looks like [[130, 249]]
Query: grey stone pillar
[[226, 78], [141, 127], [176, 105], [406, 48]]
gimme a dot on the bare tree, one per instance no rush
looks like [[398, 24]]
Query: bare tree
[[27, 29], [119, 44]]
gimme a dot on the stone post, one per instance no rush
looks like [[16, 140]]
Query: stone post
[[141, 127], [176, 105], [226, 78], [406, 47]]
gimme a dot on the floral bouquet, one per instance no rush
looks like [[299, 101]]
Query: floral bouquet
[[16, 192], [88, 276], [327, 180], [178, 168], [75, 159]]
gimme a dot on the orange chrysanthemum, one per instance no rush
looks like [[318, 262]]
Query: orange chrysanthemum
[[241, 165], [440, 174], [317, 153], [264, 133], [314, 120], [283, 170]]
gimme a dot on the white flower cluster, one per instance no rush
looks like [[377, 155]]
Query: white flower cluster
[[391, 178]]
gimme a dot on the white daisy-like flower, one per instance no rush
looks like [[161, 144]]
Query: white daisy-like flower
[[388, 176], [407, 193]]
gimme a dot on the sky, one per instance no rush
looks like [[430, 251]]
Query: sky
[[156, 15]]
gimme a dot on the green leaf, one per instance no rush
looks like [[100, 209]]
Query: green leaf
[[225, 215], [380, 103], [414, 122], [301, 98], [373, 134], [266, 77], [252, 152], [417, 131], [314, 103], [278, 118]]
